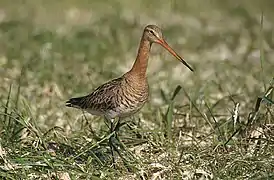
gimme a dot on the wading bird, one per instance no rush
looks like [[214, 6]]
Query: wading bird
[[124, 96]]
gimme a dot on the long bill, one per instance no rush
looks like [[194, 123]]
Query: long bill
[[166, 46]]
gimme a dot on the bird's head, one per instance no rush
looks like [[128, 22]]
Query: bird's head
[[153, 34]]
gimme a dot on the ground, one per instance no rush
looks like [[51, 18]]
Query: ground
[[213, 123]]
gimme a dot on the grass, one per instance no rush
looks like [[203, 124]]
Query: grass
[[215, 123]]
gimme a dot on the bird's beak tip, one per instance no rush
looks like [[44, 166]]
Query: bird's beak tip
[[165, 45], [190, 68]]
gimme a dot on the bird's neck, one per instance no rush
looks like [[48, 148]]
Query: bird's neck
[[139, 67]]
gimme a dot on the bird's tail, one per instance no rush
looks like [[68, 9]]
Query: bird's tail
[[74, 102]]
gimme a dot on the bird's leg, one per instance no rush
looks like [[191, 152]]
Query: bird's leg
[[118, 125], [122, 147], [107, 121], [110, 123], [116, 129], [111, 145], [114, 141]]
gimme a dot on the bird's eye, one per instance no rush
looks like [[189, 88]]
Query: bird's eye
[[151, 32]]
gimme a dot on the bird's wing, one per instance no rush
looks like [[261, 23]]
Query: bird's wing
[[101, 99]]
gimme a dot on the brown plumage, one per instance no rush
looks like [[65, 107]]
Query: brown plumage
[[126, 95], [119, 97]]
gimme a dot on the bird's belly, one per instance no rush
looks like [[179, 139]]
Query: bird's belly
[[124, 111]]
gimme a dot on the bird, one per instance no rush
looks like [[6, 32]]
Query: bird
[[126, 95]]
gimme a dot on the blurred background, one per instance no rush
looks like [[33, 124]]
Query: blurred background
[[54, 50]]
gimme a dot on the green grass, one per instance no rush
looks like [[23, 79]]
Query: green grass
[[215, 123]]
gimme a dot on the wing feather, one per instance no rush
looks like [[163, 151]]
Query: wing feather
[[101, 99]]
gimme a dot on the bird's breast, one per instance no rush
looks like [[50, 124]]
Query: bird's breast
[[129, 100]]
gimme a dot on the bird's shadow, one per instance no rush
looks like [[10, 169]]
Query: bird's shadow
[[98, 151]]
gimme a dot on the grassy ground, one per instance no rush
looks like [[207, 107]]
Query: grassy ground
[[219, 125]]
